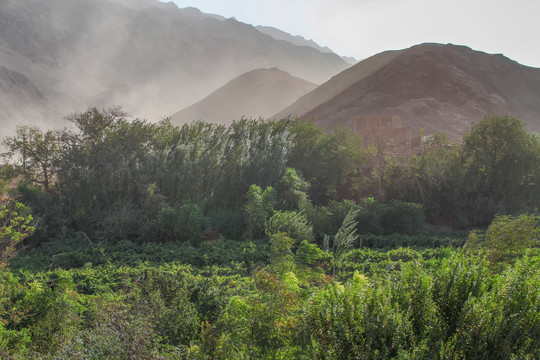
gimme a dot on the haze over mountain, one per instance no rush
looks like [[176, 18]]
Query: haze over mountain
[[255, 94], [150, 57], [300, 41], [432, 86]]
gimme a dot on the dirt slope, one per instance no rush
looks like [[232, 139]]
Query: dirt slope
[[432, 86], [254, 94]]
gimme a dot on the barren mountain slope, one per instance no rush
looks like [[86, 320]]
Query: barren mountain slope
[[148, 56], [337, 84], [300, 41], [20, 101], [433, 86], [254, 94]]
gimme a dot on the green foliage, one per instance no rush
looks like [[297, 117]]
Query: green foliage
[[46, 211], [308, 253], [184, 223], [431, 178], [38, 153], [507, 238], [13, 342], [501, 161], [15, 225], [401, 217], [293, 189], [373, 217], [397, 304], [355, 321], [331, 163], [138, 252], [230, 224], [258, 208], [293, 223], [369, 214], [281, 256], [503, 322], [166, 296], [344, 238], [458, 279], [403, 254]]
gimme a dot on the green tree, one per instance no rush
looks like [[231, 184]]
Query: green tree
[[333, 164], [430, 178], [293, 189], [259, 207], [499, 158], [16, 223], [292, 223], [36, 154], [507, 238], [93, 123], [281, 257]]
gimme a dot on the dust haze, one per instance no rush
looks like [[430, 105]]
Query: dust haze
[[58, 57]]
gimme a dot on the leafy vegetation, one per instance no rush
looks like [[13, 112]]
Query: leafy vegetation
[[267, 240]]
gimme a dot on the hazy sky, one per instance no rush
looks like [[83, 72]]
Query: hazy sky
[[362, 28]]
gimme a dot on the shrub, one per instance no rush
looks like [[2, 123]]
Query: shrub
[[183, 223], [308, 253], [258, 209], [355, 321], [457, 279], [403, 254], [402, 218], [165, 296], [369, 213], [507, 238], [293, 223], [503, 322], [15, 226], [231, 224]]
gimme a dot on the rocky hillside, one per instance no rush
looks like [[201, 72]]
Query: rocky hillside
[[300, 41], [432, 86]]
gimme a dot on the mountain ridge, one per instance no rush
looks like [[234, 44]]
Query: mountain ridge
[[432, 86], [254, 94], [145, 55], [299, 41]]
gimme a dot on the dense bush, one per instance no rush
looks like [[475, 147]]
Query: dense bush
[[402, 218], [435, 303], [159, 242], [293, 223]]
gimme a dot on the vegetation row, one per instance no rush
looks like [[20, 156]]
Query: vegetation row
[[267, 240]]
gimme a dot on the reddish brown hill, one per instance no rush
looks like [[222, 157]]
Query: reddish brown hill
[[257, 93], [432, 86]]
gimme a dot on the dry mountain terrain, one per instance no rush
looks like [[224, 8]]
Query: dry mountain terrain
[[300, 41], [148, 56], [432, 86], [257, 93]]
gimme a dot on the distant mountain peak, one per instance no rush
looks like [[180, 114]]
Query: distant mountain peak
[[256, 93], [299, 41]]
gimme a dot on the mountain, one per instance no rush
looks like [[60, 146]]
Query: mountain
[[299, 41], [257, 93], [432, 86], [148, 56], [21, 100], [338, 84]]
